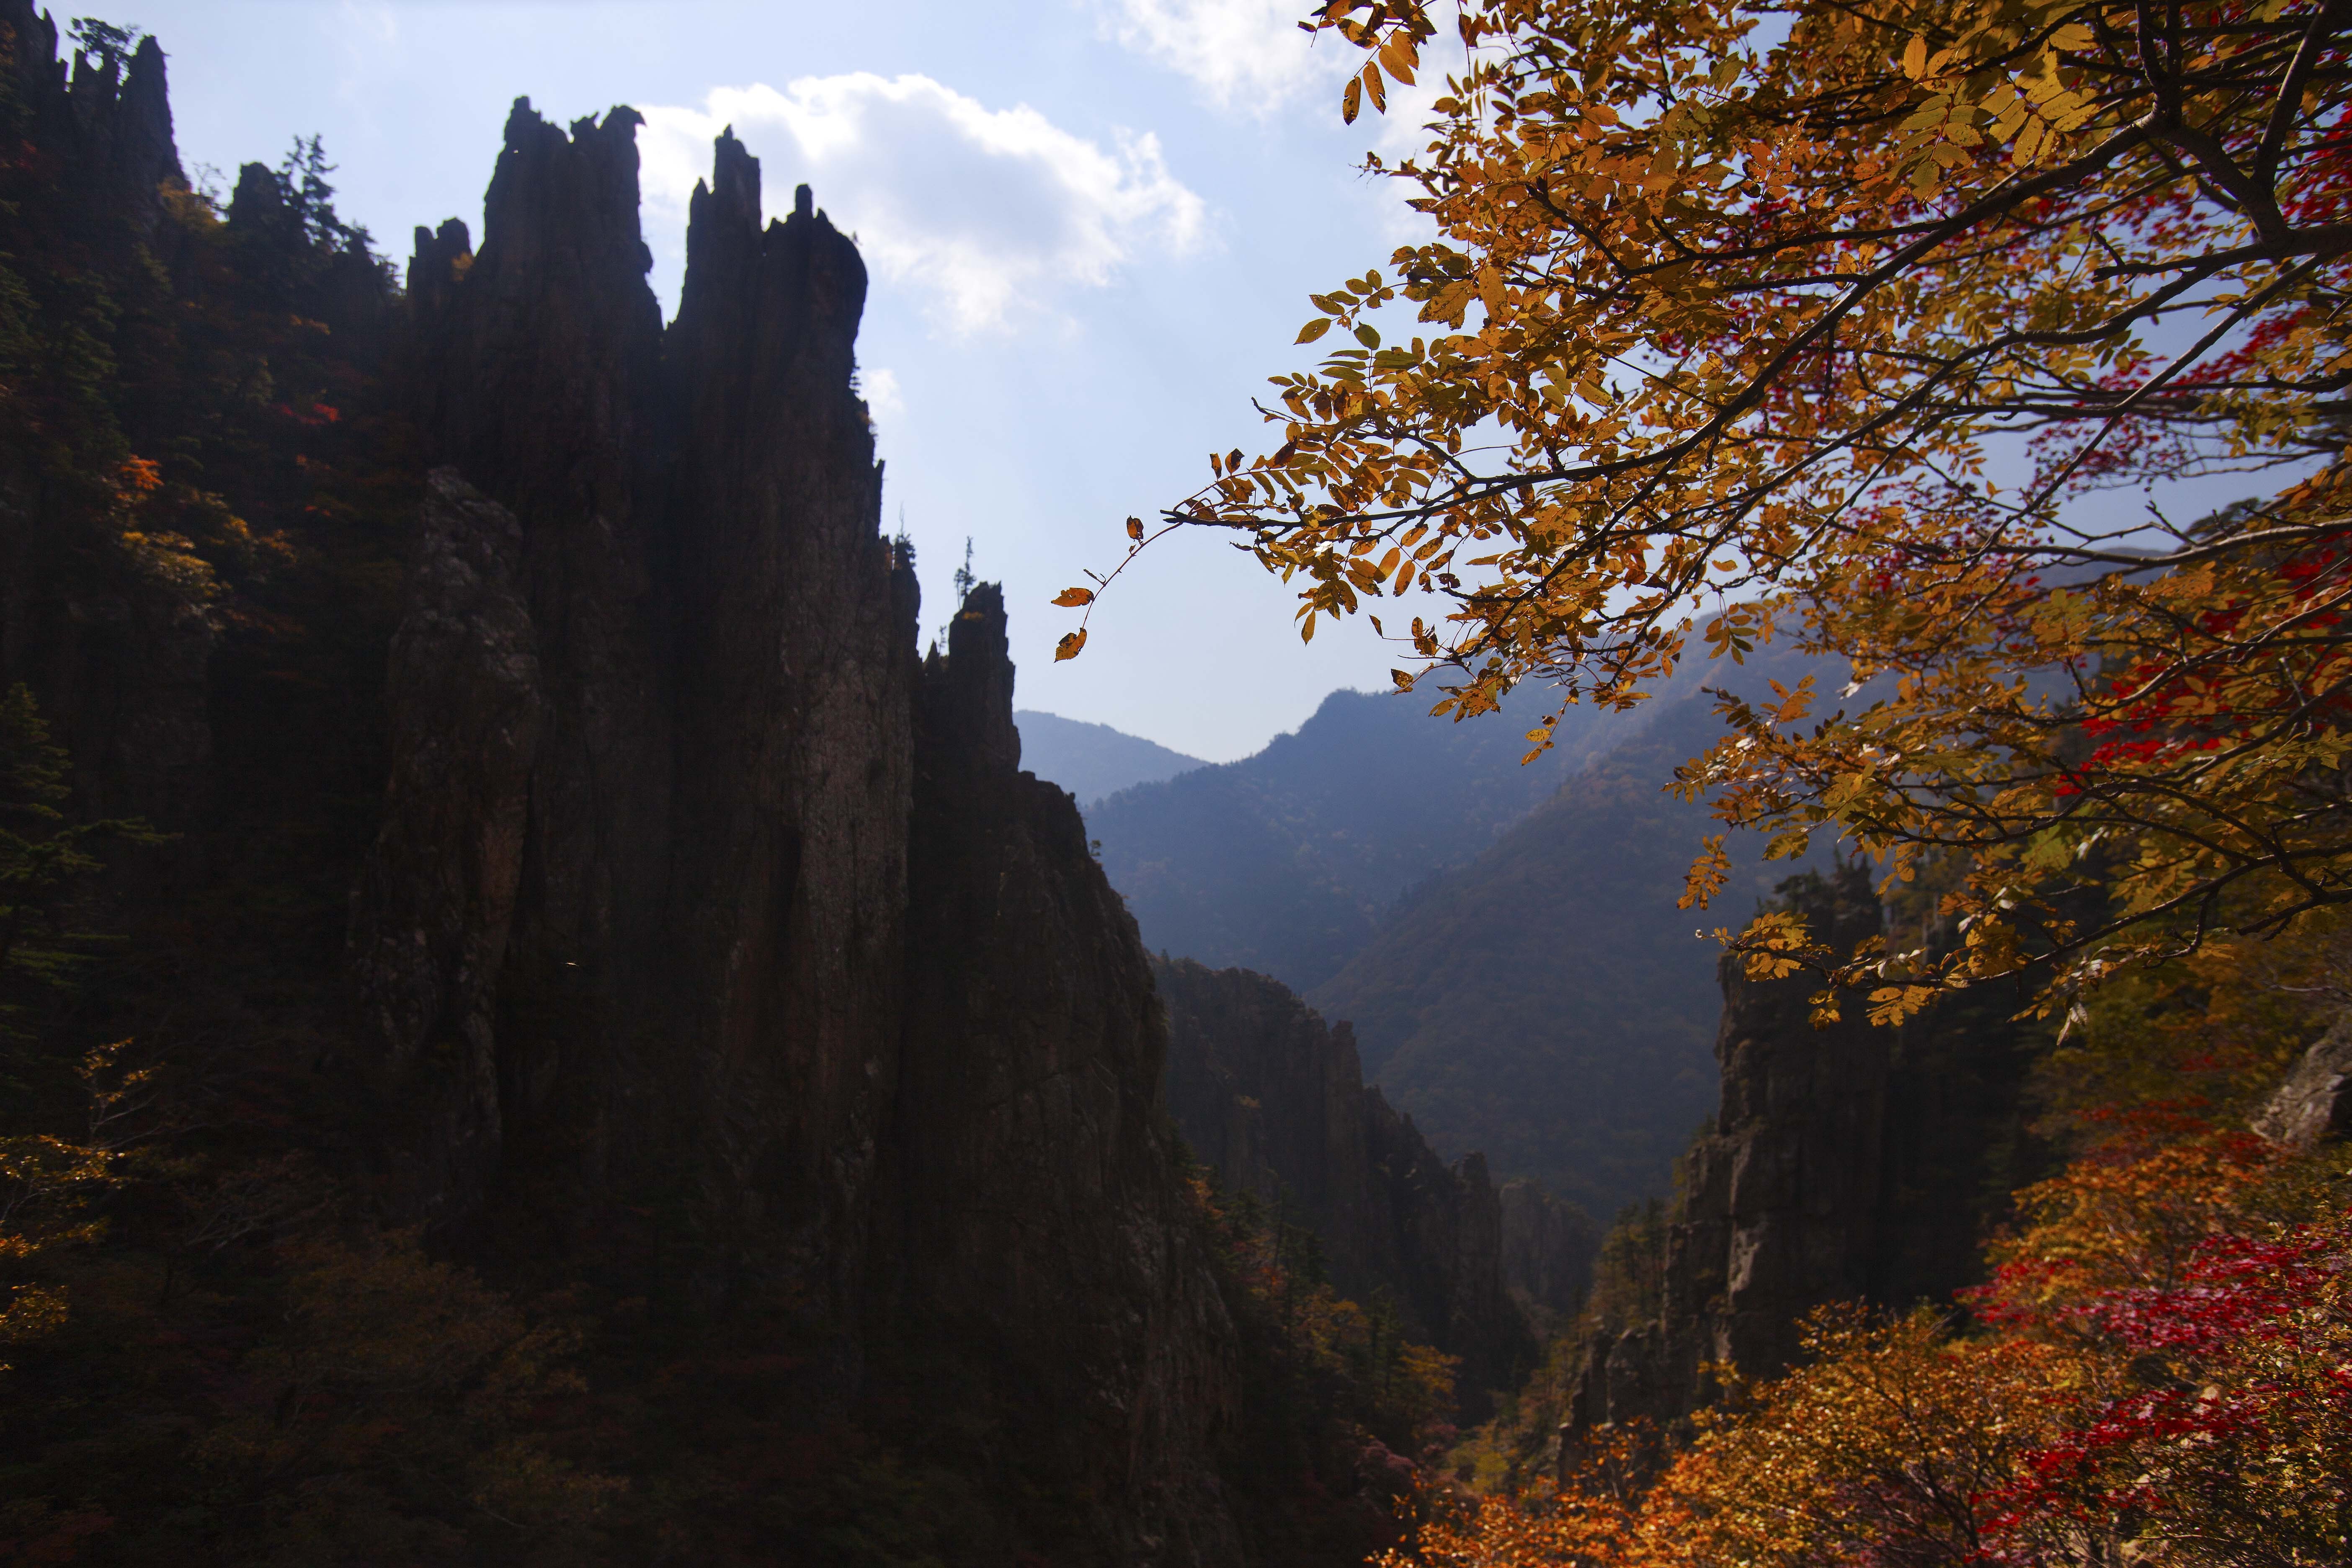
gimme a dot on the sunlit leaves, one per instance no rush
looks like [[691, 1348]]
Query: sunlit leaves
[[2158, 1369], [1839, 341]]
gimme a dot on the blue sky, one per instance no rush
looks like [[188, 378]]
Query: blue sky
[[1092, 226]]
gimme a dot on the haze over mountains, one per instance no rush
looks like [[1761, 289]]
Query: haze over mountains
[[1092, 760], [1284, 862], [1505, 939]]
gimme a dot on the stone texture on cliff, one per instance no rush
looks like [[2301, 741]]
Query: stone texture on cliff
[[1778, 1198], [1850, 1162], [698, 1009], [437, 897], [109, 121], [1548, 1248], [1030, 1192], [117, 653], [1273, 1101], [2315, 1104], [792, 994]]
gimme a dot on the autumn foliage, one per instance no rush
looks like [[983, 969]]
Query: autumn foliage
[[2158, 1371], [1892, 331]]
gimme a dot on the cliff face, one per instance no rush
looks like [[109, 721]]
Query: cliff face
[[709, 933], [1778, 1196], [585, 870], [1548, 1248], [120, 656], [1849, 1162], [1274, 1100], [1029, 1206], [2315, 1104], [687, 986], [109, 121]]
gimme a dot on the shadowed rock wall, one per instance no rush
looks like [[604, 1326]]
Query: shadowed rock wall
[[697, 990], [117, 658], [1031, 1206], [710, 937], [1548, 1248], [1845, 1164], [1275, 1102], [1778, 1195]]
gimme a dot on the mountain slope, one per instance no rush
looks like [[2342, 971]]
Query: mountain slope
[[1285, 862], [1548, 1004], [1092, 760]]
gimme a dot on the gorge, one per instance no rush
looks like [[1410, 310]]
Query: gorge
[[541, 1023]]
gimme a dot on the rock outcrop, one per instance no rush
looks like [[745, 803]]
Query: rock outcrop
[[1273, 1100], [107, 119], [711, 934], [1548, 1248], [699, 999], [437, 900], [2315, 1104], [113, 641], [1779, 1195], [1029, 1202], [1846, 1163]]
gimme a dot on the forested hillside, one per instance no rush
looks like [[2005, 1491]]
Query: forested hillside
[[1548, 1004], [1286, 861]]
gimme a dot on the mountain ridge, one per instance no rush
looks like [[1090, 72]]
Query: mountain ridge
[[1093, 761], [1548, 1003], [1284, 862]]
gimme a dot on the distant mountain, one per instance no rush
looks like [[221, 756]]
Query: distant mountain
[[1548, 1004], [1092, 760], [1286, 861]]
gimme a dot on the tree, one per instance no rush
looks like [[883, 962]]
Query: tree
[[2155, 1374], [111, 44], [1855, 324], [44, 858]]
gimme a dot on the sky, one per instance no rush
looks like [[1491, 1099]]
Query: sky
[[1091, 228]]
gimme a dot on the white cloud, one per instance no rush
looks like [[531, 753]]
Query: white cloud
[[992, 211], [883, 394], [1243, 54]]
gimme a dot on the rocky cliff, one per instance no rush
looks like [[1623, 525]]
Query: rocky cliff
[[1029, 1203], [575, 866], [1845, 1163], [1273, 1100], [120, 654], [710, 933], [1548, 1248], [2315, 1104]]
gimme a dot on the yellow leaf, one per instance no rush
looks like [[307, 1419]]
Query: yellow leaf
[[1915, 59], [1135, 528], [1071, 599], [1313, 330], [1069, 646]]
